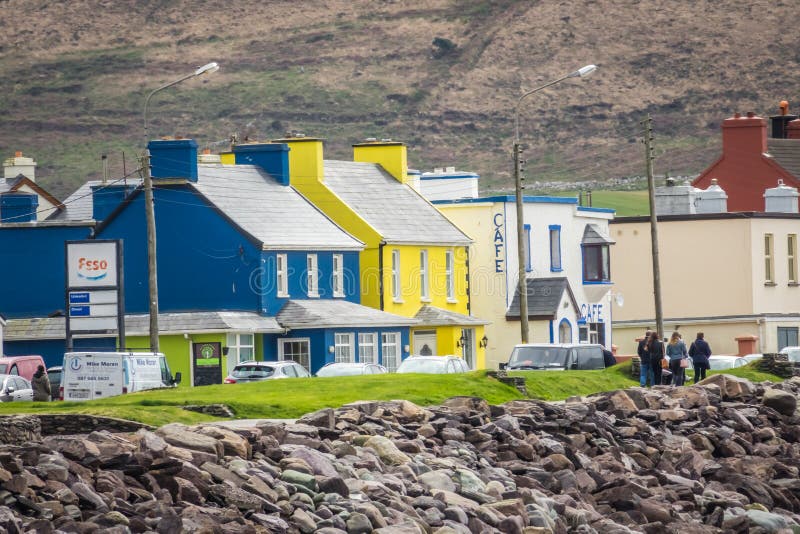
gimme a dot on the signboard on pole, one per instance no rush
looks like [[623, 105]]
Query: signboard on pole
[[94, 289]]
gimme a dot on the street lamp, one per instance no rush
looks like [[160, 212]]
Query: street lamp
[[522, 287], [150, 215]]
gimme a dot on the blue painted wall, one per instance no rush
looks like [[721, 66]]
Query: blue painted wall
[[321, 339], [52, 350], [204, 263], [32, 274]]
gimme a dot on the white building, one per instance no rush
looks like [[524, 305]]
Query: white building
[[568, 269]]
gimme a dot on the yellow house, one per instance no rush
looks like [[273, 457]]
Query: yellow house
[[415, 262]]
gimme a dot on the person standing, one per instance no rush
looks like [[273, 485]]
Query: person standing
[[41, 385], [676, 353], [700, 351], [644, 361], [655, 351]]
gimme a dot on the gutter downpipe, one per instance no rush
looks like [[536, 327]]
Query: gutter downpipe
[[380, 272]]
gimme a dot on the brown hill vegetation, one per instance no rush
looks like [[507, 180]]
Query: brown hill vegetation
[[441, 75]]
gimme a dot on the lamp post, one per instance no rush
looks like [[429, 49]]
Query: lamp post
[[522, 287], [152, 268]]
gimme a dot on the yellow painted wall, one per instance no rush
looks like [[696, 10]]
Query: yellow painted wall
[[391, 156], [227, 158], [447, 338]]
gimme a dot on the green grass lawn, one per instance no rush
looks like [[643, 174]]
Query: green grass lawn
[[626, 203], [290, 399]]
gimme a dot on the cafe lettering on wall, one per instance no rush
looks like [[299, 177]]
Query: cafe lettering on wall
[[592, 313], [499, 244]]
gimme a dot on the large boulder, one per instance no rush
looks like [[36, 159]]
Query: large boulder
[[731, 387], [182, 436], [387, 450], [782, 402]]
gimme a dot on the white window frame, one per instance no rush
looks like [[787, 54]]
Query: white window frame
[[312, 275], [337, 276], [769, 259], [368, 347], [343, 347], [555, 248], [450, 274], [306, 356], [391, 364], [396, 289], [424, 278], [235, 346], [282, 275], [791, 257]]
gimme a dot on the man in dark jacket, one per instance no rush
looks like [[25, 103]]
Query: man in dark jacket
[[700, 351], [644, 361]]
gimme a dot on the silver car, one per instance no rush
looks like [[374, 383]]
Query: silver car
[[258, 371], [351, 369], [15, 388], [433, 365]]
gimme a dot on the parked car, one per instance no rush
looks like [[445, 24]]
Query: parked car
[[433, 365], [258, 371], [54, 374], [24, 366], [15, 388], [350, 369], [555, 357], [752, 357], [792, 352], [94, 375], [719, 362]]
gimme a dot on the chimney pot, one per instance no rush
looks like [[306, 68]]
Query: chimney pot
[[737, 115], [784, 107], [18, 154], [750, 114], [371, 139]]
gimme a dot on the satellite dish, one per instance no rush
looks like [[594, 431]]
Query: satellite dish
[[620, 300]]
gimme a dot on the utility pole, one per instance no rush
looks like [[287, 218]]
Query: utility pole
[[152, 277], [651, 193], [522, 284]]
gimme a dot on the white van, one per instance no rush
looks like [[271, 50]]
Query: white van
[[98, 375]]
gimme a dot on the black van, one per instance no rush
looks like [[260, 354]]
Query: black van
[[555, 357]]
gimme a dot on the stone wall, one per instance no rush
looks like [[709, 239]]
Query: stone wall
[[517, 382], [18, 429], [779, 364]]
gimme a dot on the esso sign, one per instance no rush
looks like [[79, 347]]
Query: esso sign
[[91, 264], [92, 269]]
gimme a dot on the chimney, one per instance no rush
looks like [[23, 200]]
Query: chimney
[[744, 137], [781, 199], [207, 158], [272, 158], [305, 159], [173, 158], [13, 167], [793, 129], [18, 207], [713, 199], [391, 155], [779, 122], [106, 198]]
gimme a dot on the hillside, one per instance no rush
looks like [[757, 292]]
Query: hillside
[[74, 77]]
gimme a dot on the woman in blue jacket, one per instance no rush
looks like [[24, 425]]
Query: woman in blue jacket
[[676, 353], [700, 351]]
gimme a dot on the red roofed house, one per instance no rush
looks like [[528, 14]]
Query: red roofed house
[[751, 162]]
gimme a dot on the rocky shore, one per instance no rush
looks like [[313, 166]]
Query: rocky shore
[[720, 457]]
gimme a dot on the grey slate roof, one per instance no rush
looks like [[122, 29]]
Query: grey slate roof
[[276, 215], [544, 296], [78, 206], [786, 152], [397, 212], [139, 325], [432, 316], [593, 236], [327, 313]]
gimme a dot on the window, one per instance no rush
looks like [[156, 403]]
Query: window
[[595, 263], [343, 347], [564, 332], [787, 336], [425, 291], [338, 276], [313, 275], [791, 255], [241, 348], [449, 261], [390, 349], [283, 276], [295, 349], [367, 347], [555, 248], [527, 244], [396, 296], [769, 264]]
